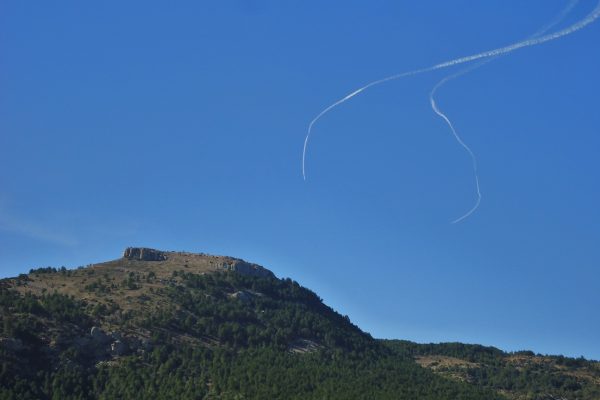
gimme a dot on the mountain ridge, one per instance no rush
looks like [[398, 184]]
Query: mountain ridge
[[209, 326]]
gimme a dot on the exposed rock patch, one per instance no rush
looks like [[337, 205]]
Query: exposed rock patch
[[191, 262], [246, 268], [103, 345], [303, 346], [144, 254], [242, 295]]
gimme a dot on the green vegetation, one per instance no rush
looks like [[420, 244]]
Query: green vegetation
[[268, 312], [521, 375], [225, 335]]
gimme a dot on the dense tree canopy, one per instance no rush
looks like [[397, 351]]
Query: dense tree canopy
[[229, 336]]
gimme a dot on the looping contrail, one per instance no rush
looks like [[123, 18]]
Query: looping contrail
[[591, 17], [467, 148], [465, 71]]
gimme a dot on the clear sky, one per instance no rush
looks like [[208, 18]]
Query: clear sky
[[179, 126]]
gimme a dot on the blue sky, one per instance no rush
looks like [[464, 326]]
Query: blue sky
[[181, 127]]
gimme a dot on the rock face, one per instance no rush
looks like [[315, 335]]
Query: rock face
[[303, 346], [102, 345], [246, 268], [199, 261], [144, 254], [242, 295]]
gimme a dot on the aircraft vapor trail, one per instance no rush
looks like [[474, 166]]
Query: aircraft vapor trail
[[591, 17], [448, 78]]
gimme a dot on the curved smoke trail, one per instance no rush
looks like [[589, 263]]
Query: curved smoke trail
[[591, 17], [465, 71]]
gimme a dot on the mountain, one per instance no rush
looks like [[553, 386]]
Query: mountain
[[175, 325]]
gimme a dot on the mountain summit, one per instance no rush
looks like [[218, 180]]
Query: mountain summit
[[195, 262], [175, 325]]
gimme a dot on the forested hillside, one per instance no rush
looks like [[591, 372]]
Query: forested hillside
[[163, 325], [518, 375]]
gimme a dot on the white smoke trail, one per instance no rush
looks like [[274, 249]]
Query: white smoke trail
[[448, 78], [591, 17], [557, 20], [467, 148]]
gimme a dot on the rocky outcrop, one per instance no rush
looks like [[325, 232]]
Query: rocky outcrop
[[245, 296], [199, 260], [241, 295], [102, 345], [303, 346], [144, 254], [246, 268]]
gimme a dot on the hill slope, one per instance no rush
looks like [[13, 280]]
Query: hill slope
[[166, 325], [520, 375]]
